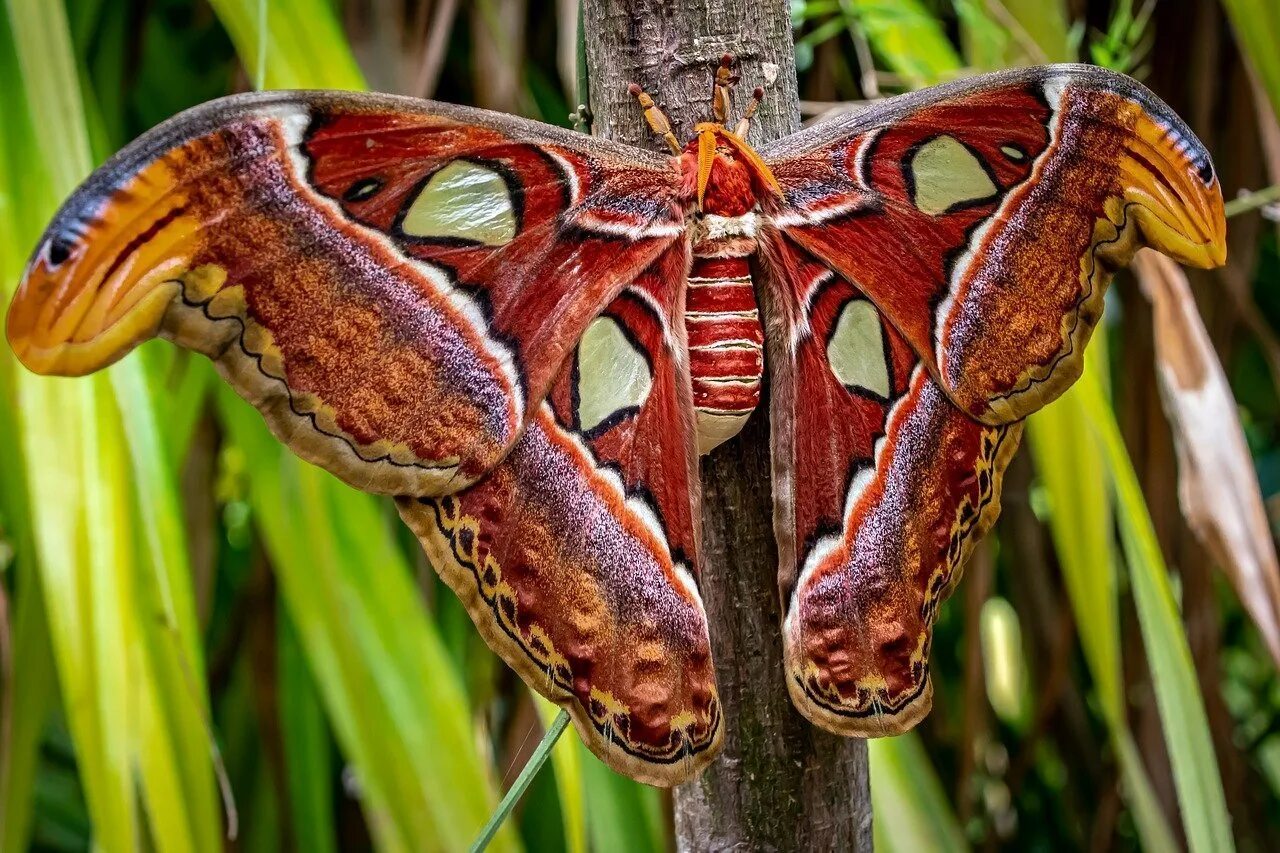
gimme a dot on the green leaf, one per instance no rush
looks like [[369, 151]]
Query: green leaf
[[1257, 29], [907, 37], [308, 758], [1173, 674], [132, 683], [911, 808]]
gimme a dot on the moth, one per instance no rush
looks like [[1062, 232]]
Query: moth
[[529, 335]]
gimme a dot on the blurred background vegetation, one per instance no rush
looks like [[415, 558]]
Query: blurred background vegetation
[[201, 637]]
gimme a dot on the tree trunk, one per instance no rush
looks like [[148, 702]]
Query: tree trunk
[[780, 783]]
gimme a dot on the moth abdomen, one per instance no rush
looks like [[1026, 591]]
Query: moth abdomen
[[726, 340]]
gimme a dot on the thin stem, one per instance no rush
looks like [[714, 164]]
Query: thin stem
[[260, 71], [1253, 201], [516, 791]]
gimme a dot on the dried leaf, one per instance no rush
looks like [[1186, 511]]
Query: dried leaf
[[1217, 486]]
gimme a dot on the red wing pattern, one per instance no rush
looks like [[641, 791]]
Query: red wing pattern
[[576, 556], [868, 554], [487, 316], [394, 283], [984, 218]]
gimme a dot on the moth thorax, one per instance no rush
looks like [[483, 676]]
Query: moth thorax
[[726, 341], [717, 236]]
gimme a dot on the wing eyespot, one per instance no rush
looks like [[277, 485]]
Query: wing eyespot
[[363, 189], [1013, 151], [612, 376], [1204, 169], [57, 251]]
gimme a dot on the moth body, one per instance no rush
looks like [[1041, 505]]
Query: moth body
[[723, 180]]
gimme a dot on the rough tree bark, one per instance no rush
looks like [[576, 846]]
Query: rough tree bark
[[780, 783]]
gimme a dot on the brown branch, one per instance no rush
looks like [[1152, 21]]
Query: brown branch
[[779, 784]]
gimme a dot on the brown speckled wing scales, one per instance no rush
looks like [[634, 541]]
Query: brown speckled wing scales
[[868, 554], [935, 269], [985, 218], [393, 283], [577, 555], [480, 314]]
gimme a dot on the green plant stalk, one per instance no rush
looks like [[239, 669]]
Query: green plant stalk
[[1252, 201], [1257, 28], [1185, 724], [566, 760], [911, 808], [112, 656], [517, 789]]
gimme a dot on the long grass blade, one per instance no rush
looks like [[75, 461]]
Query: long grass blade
[[517, 789], [1081, 522], [304, 46], [27, 692], [131, 683], [911, 808], [1186, 727], [308, 761]]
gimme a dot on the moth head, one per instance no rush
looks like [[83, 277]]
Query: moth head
[[728, 175], [104, 272]]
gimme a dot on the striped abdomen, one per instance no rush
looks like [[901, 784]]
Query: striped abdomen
[[725, 346]]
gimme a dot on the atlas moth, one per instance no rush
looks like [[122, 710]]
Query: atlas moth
[[528, 336]]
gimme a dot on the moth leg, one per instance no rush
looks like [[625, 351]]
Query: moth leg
[[722, 90], [744, 123], [656, 117]]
